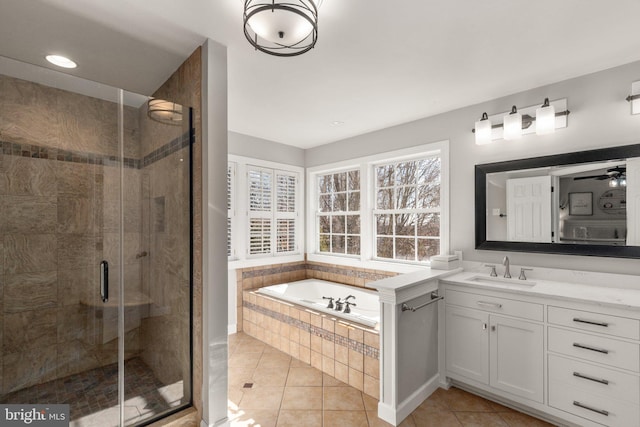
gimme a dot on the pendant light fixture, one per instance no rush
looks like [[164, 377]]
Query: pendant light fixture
[[483, 130], [513, 125], [545, 118], [281, 27]]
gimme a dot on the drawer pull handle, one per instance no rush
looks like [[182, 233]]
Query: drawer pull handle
[[587, 377], [586, 347], [489, 304], [591, 322], [589, 408]]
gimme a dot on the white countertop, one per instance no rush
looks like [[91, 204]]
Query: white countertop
[[404, 281], [608, 295]]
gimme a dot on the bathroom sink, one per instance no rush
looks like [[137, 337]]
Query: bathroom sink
[[501, 281]]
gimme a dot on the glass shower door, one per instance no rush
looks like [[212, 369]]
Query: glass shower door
[[60, 204]]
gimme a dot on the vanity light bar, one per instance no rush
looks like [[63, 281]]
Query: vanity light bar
[[528, 120]]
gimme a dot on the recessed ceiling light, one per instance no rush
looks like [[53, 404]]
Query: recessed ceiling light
[[336, 123], [61, 61]]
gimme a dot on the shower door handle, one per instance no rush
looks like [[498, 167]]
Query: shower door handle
[[104, 281]]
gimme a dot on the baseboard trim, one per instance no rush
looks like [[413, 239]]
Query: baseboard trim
[[394, 416]]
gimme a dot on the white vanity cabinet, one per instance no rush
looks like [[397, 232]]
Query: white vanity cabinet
[[594, 362], [495, 341], [568, 352]]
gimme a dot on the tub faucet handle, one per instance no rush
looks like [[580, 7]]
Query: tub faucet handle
[[522, 275], [347, 308], [330, 305], [493, 270]]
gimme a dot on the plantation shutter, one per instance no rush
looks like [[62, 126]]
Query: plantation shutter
[[260, 181], [286, 212]]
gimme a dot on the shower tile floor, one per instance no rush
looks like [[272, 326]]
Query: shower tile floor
[[268, 388], [93, 395]]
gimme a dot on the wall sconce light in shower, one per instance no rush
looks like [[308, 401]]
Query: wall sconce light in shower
[[634, 98], [519, 122], [163, 111]]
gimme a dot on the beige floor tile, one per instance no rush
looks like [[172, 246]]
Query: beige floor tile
[[306, 376], [295, 363], [436, 419], [434, 403], [262, 398], [253, 346], [342, 399], [249, 360], [345, 419], [499, 408], [370, 404], [329, 381], [374, 421], [302, 398], [234, 397], [238, 376], [518, 419], [289, 418], [262, 418], [460, 400], [480, 419], [269, 377], [277, 360]]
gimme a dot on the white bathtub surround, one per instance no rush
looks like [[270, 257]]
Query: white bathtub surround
[[409, 342], [562, 345], [313, 293]]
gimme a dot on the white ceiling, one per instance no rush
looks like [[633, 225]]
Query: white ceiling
[[376, 64]]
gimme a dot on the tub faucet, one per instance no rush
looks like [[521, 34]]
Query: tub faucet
[[349, 296], [330, 305], [347, 308], [507, 273], [339, 304]]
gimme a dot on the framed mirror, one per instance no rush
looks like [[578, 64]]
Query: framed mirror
[[582, 203]]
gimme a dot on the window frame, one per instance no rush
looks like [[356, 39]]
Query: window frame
[[240, 225], [366, 165]]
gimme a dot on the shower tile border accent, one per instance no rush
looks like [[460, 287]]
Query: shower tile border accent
[[73, 156], [319, 332]]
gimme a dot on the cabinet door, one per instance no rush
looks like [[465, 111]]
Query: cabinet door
[[467, 343], [517, 357]]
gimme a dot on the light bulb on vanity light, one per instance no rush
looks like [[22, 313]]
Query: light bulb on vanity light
[[545, 118], [613, 182], [512, 125], [483, 130]]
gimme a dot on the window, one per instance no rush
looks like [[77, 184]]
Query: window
[[389, 207], [407, 209], [338, 216], [272, 211]]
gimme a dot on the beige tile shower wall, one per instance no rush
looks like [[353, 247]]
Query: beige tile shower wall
[[258, 277], [59, 219], [184, 87], [348, 352]]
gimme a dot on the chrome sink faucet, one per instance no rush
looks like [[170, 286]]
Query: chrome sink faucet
[[507, 273]]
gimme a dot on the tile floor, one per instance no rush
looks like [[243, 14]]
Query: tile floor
[[268, 388], [93, 395]]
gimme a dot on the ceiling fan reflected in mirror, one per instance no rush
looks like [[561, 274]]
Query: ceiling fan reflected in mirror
[[617, 176]]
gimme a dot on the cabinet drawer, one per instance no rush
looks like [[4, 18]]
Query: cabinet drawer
[[594, 407], [607, 351], [595, 379], [524, 310], [595, 322]]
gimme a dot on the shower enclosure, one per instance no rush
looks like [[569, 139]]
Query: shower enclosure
[[95, 248]]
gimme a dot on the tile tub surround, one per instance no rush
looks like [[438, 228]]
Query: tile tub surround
[[348, 352], [258, 277]]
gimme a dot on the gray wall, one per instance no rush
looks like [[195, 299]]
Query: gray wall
[[599, 118], [258, 148]]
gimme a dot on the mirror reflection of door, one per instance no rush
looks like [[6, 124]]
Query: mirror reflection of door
[[529, 209]]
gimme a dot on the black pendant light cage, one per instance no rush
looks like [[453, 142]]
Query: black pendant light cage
[[304, 8]]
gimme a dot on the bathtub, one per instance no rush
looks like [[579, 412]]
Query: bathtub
[[309, 293]]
